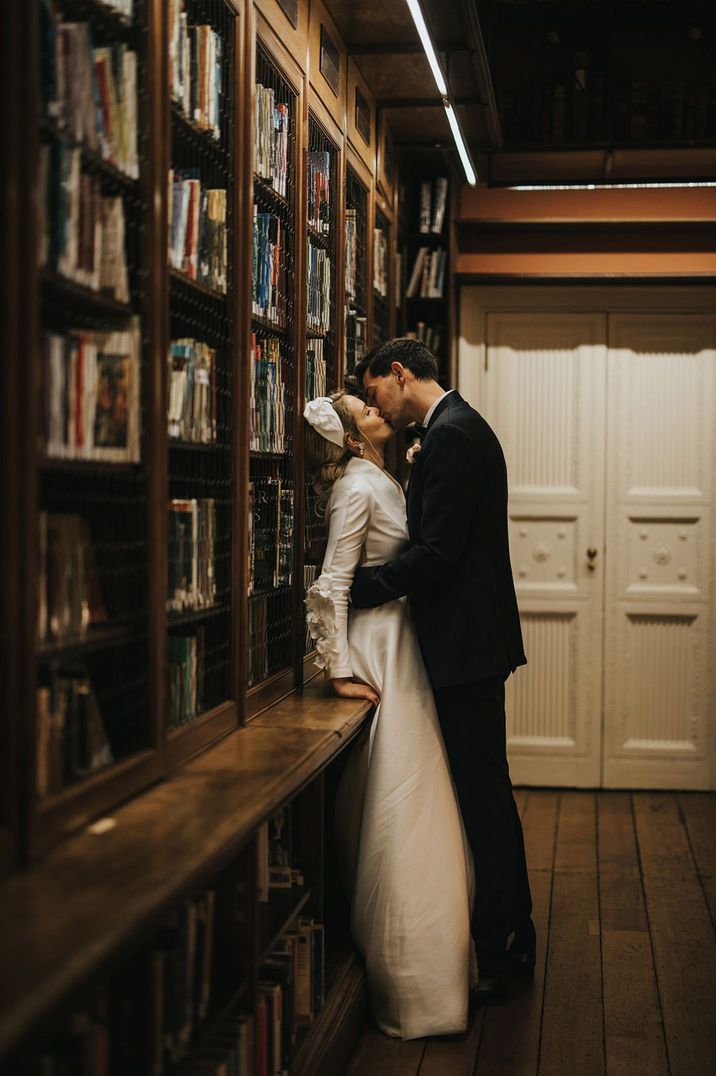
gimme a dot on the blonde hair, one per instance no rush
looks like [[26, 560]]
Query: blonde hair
[[326, 462]]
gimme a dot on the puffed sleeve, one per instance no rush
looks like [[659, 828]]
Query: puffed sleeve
[[349, 514]]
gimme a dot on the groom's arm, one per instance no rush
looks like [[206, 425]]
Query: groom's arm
[[447, 511]]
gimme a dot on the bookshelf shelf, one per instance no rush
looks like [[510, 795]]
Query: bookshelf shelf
[[275, 327], [63, 289], [263, 189], [320, 238], [104, 17], [276, 916], [91, 160], [181, 281], [199, 139], [86, 469], [187, 616], [96, 638]]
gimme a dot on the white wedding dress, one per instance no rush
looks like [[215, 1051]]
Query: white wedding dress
[[406, 859]]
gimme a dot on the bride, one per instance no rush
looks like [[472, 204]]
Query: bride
[[407, 862]]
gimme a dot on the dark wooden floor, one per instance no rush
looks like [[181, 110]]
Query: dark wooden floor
[[624, 891]]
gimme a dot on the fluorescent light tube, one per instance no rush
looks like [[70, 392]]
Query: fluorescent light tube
[[460, 143], [428, 46]]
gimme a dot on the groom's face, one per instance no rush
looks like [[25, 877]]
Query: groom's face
[[386, 394]]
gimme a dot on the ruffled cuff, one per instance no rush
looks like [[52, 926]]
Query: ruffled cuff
[[321, 623]]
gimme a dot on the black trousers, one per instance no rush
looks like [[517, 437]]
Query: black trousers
[[472, 718]]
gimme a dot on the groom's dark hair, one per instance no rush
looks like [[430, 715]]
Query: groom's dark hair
[[412, 354]]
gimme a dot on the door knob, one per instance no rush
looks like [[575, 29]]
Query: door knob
[[591, 556]]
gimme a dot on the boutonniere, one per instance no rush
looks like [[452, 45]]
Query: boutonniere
[[413, 451]]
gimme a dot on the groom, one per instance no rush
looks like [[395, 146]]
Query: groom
[[456, 573]]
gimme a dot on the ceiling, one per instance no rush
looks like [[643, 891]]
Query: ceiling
[[523, 37]]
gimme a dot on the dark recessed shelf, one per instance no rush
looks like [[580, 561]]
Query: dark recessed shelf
[[101, 16], [321, 239], [181, 280], [425, 298], [198, 137], [197, 446], [263, 188], [276, 916], [62, 288], [258, 592], [259, 454], [277, 327], [186, 616], [104, 635], [92, 161], [88, 467]]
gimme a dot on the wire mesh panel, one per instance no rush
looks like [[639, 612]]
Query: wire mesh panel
[[381, 299], [92, 614], [356, 271], [273, 376], [199, 377], [321, 357]]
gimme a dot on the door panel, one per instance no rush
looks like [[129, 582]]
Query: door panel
[[659, 681], [545, 385]]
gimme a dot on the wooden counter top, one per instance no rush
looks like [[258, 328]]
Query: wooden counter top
[[64, 917]]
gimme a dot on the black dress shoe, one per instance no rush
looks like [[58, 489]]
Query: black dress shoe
[[493, 984], [493, 990], [522, 953]]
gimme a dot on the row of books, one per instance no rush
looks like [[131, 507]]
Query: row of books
[[229, 1051], [316, 369], [433, 198], [269, 635], [271, 523], [191, 384], [197, 229], [380, 262], [91, 93], [267, 416], [351, 262], [271, 139], [275, 859], [92, 395], [431, 335], [70, 599], [196, 63], [71, 739], [319, 190], [191, 561], [81, 232], [181, 972], [291, 991], [427, 279], [589, 109], [312, 571], [319, 288], [355, 340], [268, 267], [186, 664]]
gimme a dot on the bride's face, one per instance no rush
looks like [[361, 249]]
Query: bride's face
[[370, 422]]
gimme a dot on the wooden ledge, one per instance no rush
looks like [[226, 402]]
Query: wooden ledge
[[318, 709], [65, 917]]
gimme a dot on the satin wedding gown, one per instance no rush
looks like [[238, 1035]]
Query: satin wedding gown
[[406, 860]]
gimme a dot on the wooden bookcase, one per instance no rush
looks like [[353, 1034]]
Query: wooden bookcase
[[140, 686], [358, 304], [425, 313]]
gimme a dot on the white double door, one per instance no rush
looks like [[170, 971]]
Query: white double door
[[607, 422]]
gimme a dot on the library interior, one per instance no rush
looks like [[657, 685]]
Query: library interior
[[212, 212]]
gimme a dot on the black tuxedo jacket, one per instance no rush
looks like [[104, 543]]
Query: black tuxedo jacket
[[456, 568]]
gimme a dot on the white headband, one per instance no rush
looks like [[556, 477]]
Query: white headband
[[321, 414]]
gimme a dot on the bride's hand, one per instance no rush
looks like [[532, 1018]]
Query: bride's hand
[[351, 689]]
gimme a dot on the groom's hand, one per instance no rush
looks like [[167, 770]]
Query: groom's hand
[[362, 596]]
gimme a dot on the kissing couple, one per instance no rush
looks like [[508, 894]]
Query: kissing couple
[[415, 610]]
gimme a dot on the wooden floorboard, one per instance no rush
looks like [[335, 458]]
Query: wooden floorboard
[[633, 1029], [682, 934], [572, 1030], [626, 967], [454, 1056]]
